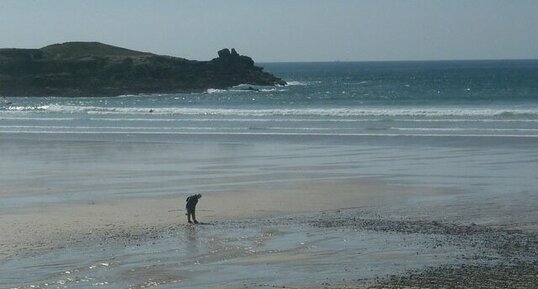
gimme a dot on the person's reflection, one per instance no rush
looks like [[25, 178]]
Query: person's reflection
[[191, 242], [190, 233]]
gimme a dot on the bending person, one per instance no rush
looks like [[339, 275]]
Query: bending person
[[191, 207]]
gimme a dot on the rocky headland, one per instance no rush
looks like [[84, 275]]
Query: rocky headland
[[95, 69]]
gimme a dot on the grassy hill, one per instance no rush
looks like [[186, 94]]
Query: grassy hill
[[88, 49], [96, 69]]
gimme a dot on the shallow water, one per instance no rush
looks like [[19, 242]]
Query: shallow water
[[228, 257], [63, 170], [37, 171]]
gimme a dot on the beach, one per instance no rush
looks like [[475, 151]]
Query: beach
[[355, 175], [310, 224]]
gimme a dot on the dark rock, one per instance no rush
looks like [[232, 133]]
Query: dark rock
[[96, 69], [224, 53]]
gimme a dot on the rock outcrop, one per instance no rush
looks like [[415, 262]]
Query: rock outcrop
[[96, 69]]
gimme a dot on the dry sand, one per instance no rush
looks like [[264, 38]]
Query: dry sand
[[51, 226]]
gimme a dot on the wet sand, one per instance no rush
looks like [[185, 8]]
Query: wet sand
[[357, 240], [56, 225], [80, 214]]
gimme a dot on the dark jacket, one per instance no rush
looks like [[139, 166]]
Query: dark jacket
[[191, 202]]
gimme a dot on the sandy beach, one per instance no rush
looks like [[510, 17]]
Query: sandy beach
[[309, 198], [53, 226], [366, 237]]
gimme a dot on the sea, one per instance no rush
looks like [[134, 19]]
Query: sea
[[438, 99], [467, 127], [413, 116]]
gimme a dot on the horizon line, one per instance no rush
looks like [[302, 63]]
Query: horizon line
[[304, 61], [407, 60]]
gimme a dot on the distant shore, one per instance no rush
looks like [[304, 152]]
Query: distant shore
[[93, 69]]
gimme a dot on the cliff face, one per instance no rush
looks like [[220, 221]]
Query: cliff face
[[96, 69]]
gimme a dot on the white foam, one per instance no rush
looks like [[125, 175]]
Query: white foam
[[271, 89], [305, 120], [59, 127], [338, 112], [215, 90], [296, 83], [465, 120], [436, 112], [463, 129], [270, 133], [37, 118], [27, 108]]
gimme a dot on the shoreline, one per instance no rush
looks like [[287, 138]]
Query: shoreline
[[24, 226], [338, 221], [406, 247], [440, 253]]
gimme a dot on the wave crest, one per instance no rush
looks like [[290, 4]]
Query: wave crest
[[300, 112]]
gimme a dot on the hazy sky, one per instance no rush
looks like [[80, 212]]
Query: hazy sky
[[284, 30]]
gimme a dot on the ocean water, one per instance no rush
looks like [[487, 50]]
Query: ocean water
[[467, 129], [488, 98], [472, 125]]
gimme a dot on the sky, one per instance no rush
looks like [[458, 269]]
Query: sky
[[284, 30]]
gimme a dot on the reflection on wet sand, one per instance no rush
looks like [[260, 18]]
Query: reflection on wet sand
[[311, 248]]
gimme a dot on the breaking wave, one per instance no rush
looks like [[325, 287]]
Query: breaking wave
[[297, 83], [305, 112]]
